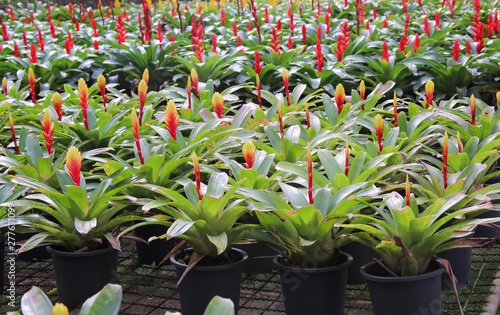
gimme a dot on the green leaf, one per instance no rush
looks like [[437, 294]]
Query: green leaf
[[84, 227], [107, 301], [35, 302], [220, 306], [220, 241], [179, 227]]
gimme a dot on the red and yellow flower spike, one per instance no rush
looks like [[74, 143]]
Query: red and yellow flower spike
[[407, 190], [249, 153], [339, 97], [135, 129], [194, 80], [308, 117], [101, 82], [32, 81], [445, 159], [74, 164], [48, 130], [379, 130], [395, 103], [145, 76], [473, 109], [280, 118], [11, 123], [189, 92], [56, 100], [60, 309], [347, 154], [310, 175], [459, 143], [4, 84], [83, 95], [196, 166], [259, 95], [362, 91], [429, 93], [498, 97], [143, 92], [285, 75], [171, 119], [218, 103]]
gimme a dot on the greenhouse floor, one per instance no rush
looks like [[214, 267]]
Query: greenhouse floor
[[147, 290]]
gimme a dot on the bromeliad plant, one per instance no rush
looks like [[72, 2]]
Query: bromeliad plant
[[78, 218], [306, 226], [407, 238]]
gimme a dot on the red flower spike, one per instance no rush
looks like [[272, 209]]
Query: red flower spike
[[318, 50], [497, 95], [304, 36], [222, 17], [259, 96], [339, 97], [278, 25], [427, 29], [83, 96], [346, 172], [32, 81], [5, 34], [468, 50], [266, 15], [437, 18], [416, 43], [384, 24], [379, 130], [143, 92], [52, 30], [308, 118], [41, 42], [96, 46], [145, 76], [25, 41], [456, 50], [74, 164], [249, 154], [56, 100], [459, 143], [214, 43], [249, 28], [194, 80], [258, 64], [327, 22], [374, 13], [407, 190], [385, 52], [188, 88], [77, 26], [280, 118], [135, 129], [235, 28], [445, 159], [196, 166], [290, 43], [11, 123], [16, 50], [171, 119], [48, 130], [238, 41], [429, 93], [33, 58], [395, 105], [310, 175], [286, 79], [101, 82], [473, 109], [218, 104]]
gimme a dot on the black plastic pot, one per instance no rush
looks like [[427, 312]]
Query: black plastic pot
[[460, 261], [404, 295], [83, 274], [314, 290], [361, 255], [202, 283], [256, 265], [156, 250]]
